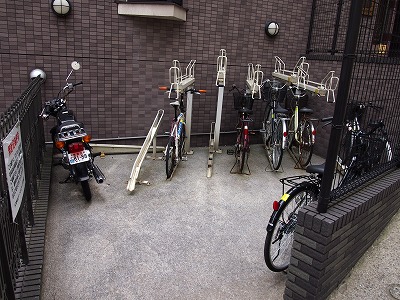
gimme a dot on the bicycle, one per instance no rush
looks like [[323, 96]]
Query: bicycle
[[305, 189], [301, 133], [175, 149], [243, 103], [352, 162], [274, 130]]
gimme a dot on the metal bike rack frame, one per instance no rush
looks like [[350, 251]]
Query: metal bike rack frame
[[222, 62], [151, 137], [180, 83]]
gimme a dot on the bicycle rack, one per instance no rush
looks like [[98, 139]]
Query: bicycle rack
[[222, 62], [180, 83], [254, 80], [151, 137], [300, 77]]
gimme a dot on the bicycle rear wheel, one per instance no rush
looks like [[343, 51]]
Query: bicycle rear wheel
[[243, 151], [306, 142], [266, 125], [276, 144], [279, 239], [170, 157]]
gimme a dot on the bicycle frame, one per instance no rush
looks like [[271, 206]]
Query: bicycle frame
[[176, 127]]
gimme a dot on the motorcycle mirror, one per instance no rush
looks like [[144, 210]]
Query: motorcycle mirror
[[75, 65]]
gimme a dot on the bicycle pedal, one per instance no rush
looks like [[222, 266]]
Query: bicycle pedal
[[230, 152], [263, 131]]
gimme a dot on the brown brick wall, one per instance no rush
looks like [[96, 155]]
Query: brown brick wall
[[328, 245], [124, 58]]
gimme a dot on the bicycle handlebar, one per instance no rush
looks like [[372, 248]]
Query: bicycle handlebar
[[297, 92], [192, 90], [274, 87]]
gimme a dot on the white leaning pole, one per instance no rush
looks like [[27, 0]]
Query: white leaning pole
[[222, 62], [189, 107]]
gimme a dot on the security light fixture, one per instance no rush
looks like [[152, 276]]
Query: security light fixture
[[61, 7], [271, 28]]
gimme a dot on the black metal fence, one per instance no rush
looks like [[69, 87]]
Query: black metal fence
[[25, 112], [365, 36]]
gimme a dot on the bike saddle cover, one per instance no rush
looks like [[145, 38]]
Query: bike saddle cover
[[306, 110], [318, 169], [245, 110], [280, 110]]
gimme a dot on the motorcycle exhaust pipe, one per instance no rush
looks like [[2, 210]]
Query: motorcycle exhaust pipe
[[98, 175]]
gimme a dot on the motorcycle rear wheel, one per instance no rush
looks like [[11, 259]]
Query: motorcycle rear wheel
[[86, 190]]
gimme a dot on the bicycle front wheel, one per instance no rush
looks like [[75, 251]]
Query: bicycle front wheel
[[306, 142], [277, 144], [282, 224], [182, 137], [170, 157], [266, 125]]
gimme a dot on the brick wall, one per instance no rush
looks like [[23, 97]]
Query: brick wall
[[327, 246], [124, 58]]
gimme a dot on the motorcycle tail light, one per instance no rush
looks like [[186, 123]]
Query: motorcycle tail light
[[75, 147], [60, 145], [87, 138]]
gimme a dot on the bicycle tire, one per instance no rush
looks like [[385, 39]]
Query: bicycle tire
[[266, 125], [181, 143], [290, 136], [244, 152], [282, 225], [306, 144], [277, 145], [170, 157]]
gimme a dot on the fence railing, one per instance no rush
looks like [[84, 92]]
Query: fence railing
[[13, 243], [365, 36]]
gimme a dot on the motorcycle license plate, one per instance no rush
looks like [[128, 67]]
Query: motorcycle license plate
[[78, 157]]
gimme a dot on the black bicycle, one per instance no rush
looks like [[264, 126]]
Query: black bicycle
[[367, 150], [274, 128]]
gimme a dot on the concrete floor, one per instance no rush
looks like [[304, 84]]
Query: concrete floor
[[191, 237]]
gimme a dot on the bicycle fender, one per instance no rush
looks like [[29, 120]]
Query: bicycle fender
[[284, 129], [282, 203]]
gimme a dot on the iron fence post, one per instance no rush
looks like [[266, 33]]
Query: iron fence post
[[349, 57]]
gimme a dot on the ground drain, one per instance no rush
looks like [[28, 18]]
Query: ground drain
[[394, 290]]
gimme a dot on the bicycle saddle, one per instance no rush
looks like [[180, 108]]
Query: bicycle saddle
[[245, 110], [306, 110], [280, 110], [317, 169]]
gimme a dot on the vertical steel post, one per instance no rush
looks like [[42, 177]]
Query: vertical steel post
[[189, 107], [349, 56], [337, 24]]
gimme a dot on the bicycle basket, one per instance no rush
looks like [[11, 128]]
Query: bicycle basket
[[290, 101], [268, 91], [240, 101]]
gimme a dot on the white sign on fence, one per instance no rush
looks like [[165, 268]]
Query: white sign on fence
[[15, 171]]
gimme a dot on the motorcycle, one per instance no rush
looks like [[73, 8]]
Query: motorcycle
[[71, 139]]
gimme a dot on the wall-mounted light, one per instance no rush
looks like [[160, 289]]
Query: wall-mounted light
[[61, 7], [37, 72], [271, 28]]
